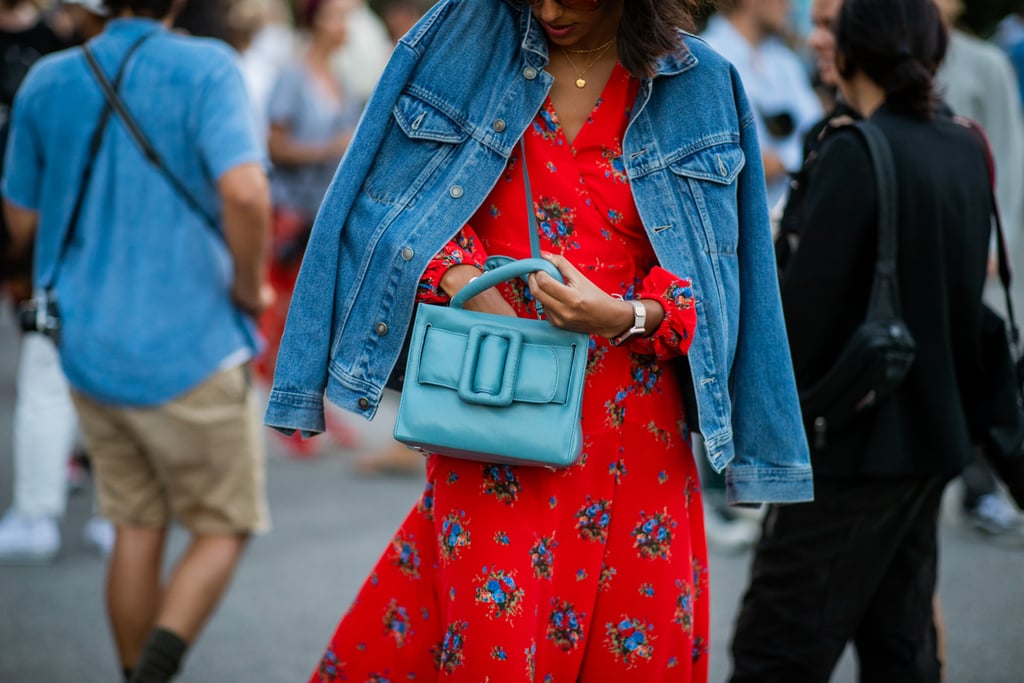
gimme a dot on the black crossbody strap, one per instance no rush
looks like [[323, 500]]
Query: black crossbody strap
[[143, 142], [885, 293], [94, 147]]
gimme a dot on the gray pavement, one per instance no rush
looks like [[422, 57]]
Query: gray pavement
[[330, 526]]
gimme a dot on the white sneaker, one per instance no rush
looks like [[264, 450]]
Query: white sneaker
[[99, 535], [728, 532], [28, 540], [992, 515]]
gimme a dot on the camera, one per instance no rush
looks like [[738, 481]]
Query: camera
[[40, 314]]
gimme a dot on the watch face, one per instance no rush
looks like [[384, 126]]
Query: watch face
[[639, 317]]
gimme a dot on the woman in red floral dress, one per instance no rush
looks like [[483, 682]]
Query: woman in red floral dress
[[594, 573]]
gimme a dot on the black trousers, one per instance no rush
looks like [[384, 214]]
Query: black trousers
[[857, 564]]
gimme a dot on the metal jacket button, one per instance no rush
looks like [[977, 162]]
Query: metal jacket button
[[499, 125], [364, 403], [529, 73], [456, 191], [407, 253], [382, 329]]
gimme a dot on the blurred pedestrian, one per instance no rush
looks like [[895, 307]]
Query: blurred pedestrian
[[361, 60], [400, 15], [250, 23], [977, 81], [150, 297], [747, 33], [88, 17], [859, 564], [311, 117], [598, 571], [1010, 31], [45, 427]]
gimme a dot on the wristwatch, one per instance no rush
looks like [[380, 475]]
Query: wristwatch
[[639, 322]]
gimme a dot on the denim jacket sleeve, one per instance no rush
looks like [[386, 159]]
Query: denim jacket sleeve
[[297, 399], [770, 442]]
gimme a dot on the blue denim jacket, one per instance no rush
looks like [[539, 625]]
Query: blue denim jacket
[[459, 92]]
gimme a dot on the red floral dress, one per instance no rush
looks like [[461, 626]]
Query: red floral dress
[[594, 573]]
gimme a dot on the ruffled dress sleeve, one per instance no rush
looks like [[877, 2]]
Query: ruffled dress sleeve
[[673, 336], [463, 249]]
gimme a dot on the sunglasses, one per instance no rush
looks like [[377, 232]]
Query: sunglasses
[[572, 4]]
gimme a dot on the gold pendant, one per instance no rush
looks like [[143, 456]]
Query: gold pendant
[[580, 83]]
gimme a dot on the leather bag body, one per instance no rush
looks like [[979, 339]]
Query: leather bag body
[[493, 388]]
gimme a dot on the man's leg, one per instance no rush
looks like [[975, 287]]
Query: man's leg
[[195, 588], [779, 633], [816, 570], [896, 639], [133, 588], [206, 447], [199, 581], [129, 494]]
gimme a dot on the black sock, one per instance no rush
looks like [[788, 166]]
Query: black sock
[[160, 658], [127, 671]]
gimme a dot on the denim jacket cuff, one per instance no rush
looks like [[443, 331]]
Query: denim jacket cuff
[[287, 412], [758, 484]]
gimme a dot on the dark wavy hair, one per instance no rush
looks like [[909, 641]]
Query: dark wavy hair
[[155, 9], [899, 45], [649, 30]]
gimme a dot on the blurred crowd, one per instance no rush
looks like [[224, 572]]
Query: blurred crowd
[[309, 67]]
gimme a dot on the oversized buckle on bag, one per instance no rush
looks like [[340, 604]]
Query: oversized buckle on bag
[[490, 366]]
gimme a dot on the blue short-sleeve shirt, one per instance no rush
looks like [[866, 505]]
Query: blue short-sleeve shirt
[[144, 287]]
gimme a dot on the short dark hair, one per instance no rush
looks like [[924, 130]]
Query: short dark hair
[[898, 44], [649, 30], [156, 9]]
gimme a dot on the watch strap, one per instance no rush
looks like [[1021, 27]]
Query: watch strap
[[639, 322]]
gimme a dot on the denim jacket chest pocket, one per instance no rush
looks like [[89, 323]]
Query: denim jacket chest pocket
[[706, 179], [418, 141]]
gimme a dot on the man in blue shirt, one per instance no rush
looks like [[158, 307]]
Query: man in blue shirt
[[155, 303]]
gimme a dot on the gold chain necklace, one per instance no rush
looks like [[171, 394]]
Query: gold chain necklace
[[591, 50], [580, 81]]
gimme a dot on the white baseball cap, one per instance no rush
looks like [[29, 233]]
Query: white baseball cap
[[94, 6]]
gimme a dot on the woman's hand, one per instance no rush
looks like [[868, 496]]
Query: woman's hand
[[582, 306], [487, 301]]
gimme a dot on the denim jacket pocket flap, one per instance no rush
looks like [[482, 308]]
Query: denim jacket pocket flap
[[720, 163], [422, 121]]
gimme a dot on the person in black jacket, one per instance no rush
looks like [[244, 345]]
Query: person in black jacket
[[859, 563]]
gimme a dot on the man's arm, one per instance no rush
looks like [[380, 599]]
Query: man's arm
[[16, 259], [22, 224], [245, 199]]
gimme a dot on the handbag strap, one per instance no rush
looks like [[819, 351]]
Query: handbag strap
[[531, 214], [115, 101], [94, 147], [1002, 257], [885, 295]]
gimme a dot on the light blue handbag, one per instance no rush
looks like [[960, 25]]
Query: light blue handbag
[[491, 387]]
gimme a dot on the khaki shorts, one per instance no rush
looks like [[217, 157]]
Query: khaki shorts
[[198, 459]]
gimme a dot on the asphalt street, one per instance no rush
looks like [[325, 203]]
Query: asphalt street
[[329, 527]]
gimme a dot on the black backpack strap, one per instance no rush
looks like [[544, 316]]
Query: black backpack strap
[[885, 294]]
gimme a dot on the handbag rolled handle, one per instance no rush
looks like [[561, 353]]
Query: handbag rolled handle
[[509, 271]]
